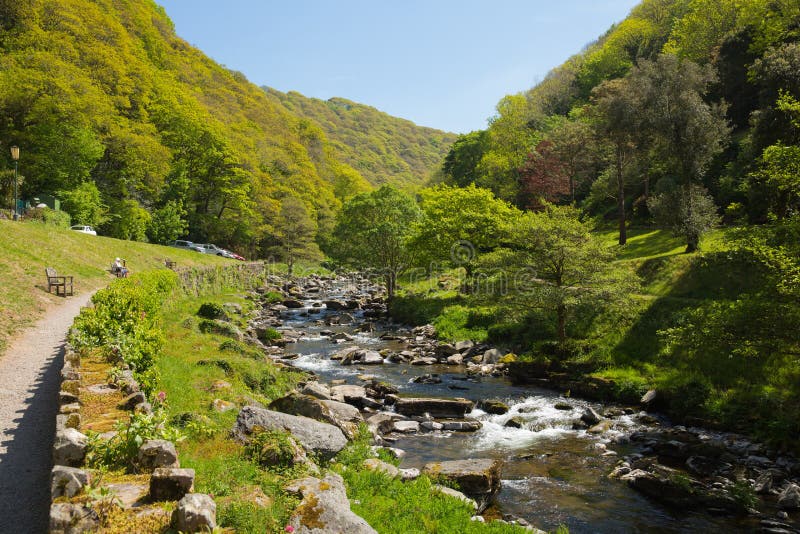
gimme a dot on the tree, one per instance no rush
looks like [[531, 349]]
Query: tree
[[460, 164], [295, 231], [544, 177], [459, 223], [618, 125], [127, 220], [372, 232], [687, 132], [570, 266], [689, 211], [167, 223], [84, 204]]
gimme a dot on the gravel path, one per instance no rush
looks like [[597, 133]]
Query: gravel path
[[29, 383]]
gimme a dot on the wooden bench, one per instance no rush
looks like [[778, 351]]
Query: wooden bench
[[170, 264], [63, 284]]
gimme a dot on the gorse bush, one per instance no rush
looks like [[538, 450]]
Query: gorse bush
[[124, 322]]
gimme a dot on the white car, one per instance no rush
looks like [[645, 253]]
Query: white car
[[83, 229]]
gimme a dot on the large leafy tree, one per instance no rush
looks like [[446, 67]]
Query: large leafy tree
[[617, 106], [295, 230], [460, 223], [460, 164], [687, 132], [372, 232], [569, 266]]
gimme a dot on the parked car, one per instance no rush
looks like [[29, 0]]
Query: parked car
[[210, 248], [232, 255], [84, 229], [182, 243]]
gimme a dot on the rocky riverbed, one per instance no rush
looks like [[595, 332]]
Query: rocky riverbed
[[559, 460]]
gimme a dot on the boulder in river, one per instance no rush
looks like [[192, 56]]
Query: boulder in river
[[448, 408], [476, 478], [325, 508], [590, 416], [493, 406], [317, 437]]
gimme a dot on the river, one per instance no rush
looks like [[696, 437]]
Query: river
[[552, 473]]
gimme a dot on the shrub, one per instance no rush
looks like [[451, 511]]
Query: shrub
[[211, 310], [222, 328], [271, 448], [269, 334], [59, 219], [124, 322], [273, 297]]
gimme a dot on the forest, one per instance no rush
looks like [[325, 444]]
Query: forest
[[141, 135]]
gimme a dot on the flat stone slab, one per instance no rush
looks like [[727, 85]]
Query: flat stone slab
[[477, 477], [444, 408], [317, 437]]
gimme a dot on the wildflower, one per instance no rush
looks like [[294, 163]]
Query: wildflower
[[289, 528], [162, 396]]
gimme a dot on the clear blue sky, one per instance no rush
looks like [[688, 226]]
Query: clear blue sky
[[439, 63]]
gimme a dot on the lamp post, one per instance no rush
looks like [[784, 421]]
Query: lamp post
[[15, 157]]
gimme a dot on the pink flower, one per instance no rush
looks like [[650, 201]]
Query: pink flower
[[289, 528], [162, 396]]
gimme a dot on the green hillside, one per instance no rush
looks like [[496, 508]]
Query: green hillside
[[28, 248], [104, 94], [384, 149]]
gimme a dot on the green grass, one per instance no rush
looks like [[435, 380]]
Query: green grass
[[26, 248], [390, 505], [196, 369]]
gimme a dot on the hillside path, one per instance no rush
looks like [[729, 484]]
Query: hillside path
[[30, 373]]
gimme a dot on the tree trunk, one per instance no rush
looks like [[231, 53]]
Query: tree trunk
[[561, 310], [623, 236], [391, 281]]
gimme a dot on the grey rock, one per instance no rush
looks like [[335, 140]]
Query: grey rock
[[69, 448], [325, 508], [315, 389], [456, 359], [157, 453], [468, 425], [410, 473], [590, 416], [461, 346], [373, 464], [493, 406], [342, 415], [131, 401], [67, 481], [789, 498], [317, 437], [170, 484], [515, 422], [492, 356], [405, 427], [448, 408], [196, 512], [476, 478], [371, 357], [66, 518], [450, 492]]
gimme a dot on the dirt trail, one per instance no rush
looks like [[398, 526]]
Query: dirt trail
[[29, 384]]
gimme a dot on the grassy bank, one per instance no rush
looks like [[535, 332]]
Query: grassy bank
[[26, 248], [628, 345]]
